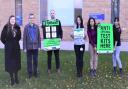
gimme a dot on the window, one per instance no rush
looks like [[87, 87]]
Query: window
[[66, 10], [115, 6], [18, 11], [78, 8]]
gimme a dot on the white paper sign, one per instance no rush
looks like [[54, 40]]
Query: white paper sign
[[47, 29], [54, 34], [53, 29], [79, 33], [47, 35]]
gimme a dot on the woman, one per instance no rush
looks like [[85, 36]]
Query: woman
[[10, 37], [79, 46], [117, 44], [92, 35]]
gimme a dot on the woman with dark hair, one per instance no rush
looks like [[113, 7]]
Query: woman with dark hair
[[117, 44], [79, 46], [10, 37], [92, 35]]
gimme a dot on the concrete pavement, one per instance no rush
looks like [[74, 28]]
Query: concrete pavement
[[69, 45]]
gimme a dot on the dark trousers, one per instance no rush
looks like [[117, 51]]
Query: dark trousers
[[79, 51], [32, 61], [56, 53]]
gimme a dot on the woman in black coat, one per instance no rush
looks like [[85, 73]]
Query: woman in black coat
[[10, 37]]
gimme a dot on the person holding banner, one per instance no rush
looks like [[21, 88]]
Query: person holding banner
[[52, 33], [31, 45], [10, 37], [79, 44], [92, 35], [117, 44]]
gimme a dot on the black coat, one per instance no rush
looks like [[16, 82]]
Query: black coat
[[12, 48], [117, 35]]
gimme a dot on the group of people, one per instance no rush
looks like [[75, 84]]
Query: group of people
[[11, 35], [91, 33]]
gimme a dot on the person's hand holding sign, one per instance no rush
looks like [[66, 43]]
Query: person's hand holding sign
[[39, 49], [25, 50], [94, 49], [85, 36], [115, 46]]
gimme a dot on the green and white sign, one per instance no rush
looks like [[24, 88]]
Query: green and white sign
[[48, 23], [105, 38], [79, 33], [52, 44]]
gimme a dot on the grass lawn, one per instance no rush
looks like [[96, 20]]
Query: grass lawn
[[67, 79]]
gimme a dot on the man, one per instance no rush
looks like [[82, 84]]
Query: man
[[31, 45], [59, 33]]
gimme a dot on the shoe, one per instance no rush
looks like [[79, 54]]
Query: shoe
[[49, 71], [121, 72], [12, 81], [78, 75], [81, 75], [16, 79], [58, 71], [35, 75], [91, 73], [30, 76], [94, 72], [114, 71]]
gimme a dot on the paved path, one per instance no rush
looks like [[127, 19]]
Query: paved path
[[68, 45]]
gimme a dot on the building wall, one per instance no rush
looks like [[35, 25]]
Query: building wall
[[104, 6], [7, 7], [97, 6], [124, 18], [30, 6]]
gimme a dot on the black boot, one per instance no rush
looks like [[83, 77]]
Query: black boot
[[35, 74], [16, 78], [81, 72], [94, 72], [121, 72], [12, 79], [29, 75], [91, 73], [114, 71], [78, 73]]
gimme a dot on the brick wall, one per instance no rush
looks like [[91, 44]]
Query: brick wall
[[124, 19], [7, 7], [97, 6], [30, 6], [104, 6]]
